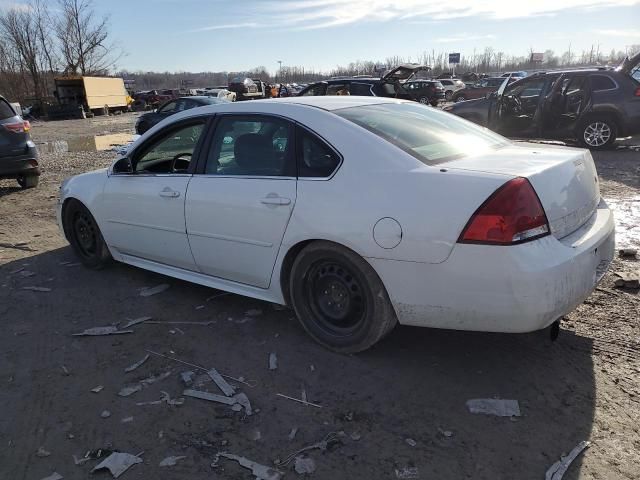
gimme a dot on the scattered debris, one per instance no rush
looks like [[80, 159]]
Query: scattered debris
[[348, 416], [212, 397], [304, 465], [42, 453], [155, 378], [446, 433], [243, 400], [17, 270], [299, 400], [355, 436], [65, 370], [81, 461], [255, 435], [118, 463], [136, 321], [558, 469], [210, 322], [628, 252], [38, 289], [54, 476], [27, 273], [129, 390], [147, 292], [411, 442], [187, 377], [170, 461], [494, 406], [407, 473], [97, 389], [212, 297], [278, 308], [293, 433], [126, 420], [97, 331], [273, 361], [166, 398], [105, 414], [303, 395], [227, 389], [627, 280], [321, 445], [137, 364], [312, 368], [199, 307], [261, 472], [254, 312]]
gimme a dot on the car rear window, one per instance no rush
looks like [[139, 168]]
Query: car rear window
[[430, 135], [5, 110], [600, 82]]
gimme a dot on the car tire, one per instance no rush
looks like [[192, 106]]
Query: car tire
[[339, 298], [597, 133], [447, 95], [424, 100], [459, 98], [86, 240], [139, 106], [141, 128], [28, 181]]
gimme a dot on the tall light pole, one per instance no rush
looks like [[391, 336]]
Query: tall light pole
[[280, 69]]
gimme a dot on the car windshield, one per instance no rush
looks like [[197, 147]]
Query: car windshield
[[429, 135]]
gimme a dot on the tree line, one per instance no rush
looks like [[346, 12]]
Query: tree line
[[42, 39]]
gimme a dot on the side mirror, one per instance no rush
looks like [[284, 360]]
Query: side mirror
[[123, 166]]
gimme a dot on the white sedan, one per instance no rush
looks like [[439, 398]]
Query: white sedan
[[359, 212]]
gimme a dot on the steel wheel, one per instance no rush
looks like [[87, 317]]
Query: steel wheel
[[336, 298], [86, 233], [424, 100], [460, 98], [597, 134]]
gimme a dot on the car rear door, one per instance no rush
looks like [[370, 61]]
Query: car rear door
[[142, 212], [240, 200]]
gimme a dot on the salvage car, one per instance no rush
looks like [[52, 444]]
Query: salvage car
[[593, 106], [218, 92], [425, 91], [244, 88], [451, 86], [18, 154], [359, 212], [148, 120], [479, 89], [389, 85]]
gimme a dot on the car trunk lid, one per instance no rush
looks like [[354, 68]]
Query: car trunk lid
[[565, 179], [404, 72], [629, 64]]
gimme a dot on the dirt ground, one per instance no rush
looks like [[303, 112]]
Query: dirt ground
[[413, 385]]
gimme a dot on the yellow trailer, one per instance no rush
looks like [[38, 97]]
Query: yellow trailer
[[100, 95]]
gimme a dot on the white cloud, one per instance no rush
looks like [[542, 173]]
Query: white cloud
[[314, 14], [619, 33], [226, 26], [462, 37]]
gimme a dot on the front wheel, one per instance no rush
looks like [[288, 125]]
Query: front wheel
[[423, 100], [447, 95], [84, 236], [597, 133], [459, 98], [339, 299]]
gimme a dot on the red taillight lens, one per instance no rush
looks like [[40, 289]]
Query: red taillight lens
[[512, 214], [637, 92], [22, 126]]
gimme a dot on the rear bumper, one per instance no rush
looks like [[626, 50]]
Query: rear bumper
[[513, 289], [25, 164]]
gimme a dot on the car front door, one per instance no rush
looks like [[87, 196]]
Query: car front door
[[143, 210], [518, 108], [240, 200]]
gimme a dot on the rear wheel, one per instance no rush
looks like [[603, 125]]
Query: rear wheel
[[28, 181], [459, 98], [447, 95], [84, 236], [339, 299], [423, 100], [597, 133]]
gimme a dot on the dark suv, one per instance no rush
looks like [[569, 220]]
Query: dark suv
[[18, 155], [593, 106], [425, 91], [386, 86]]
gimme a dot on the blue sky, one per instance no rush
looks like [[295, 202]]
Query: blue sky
[[217, 35]]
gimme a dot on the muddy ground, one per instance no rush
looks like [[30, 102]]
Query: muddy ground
[[413, 385]]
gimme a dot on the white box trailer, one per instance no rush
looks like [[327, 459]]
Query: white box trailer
[[99, 95]]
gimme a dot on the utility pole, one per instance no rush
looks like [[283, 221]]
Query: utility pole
[[280, 69]]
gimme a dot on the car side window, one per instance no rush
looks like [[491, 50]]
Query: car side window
[[171, 152], [363, 89], [315, 157], [338, 89], [251, 146], [600, 82], [314, 90], [168, 107]]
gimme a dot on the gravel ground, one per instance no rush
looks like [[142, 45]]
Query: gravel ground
[[413, 385]]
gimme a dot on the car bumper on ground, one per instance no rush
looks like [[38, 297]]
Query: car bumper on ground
[[515, 289], [15, 166]]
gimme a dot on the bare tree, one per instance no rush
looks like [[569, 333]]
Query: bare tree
[[84, 38]]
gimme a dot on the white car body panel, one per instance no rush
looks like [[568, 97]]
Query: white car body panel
[[431, 279]]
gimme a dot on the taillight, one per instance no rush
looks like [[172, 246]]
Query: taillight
[[512, 214], [22, 126], [637, 92]]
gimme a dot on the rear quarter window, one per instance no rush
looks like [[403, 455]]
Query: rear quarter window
[[600, 82], [5, 110]]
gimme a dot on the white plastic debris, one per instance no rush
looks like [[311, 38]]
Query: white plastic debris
[[105, 414], [54, 476], [131, 368], [97, 389], [118, 463], [254, 312], [147, 292], [243, 400], [97, 331], [42, 453], [293, 433], [321, 445], [38, 289], [304, 465], [126, 420], [558, 469], [166, 398], [411, 442], [212, 397], [187, 378], [407, 473], [155, 378], [171, 461], [136, 321], [255, 435], [273, 361], [494, 406], [261, 472], [299, 400], [222, 384], [129, 390], [355, 436]]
